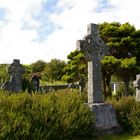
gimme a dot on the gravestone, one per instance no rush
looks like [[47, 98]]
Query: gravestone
[[137, 86], [35, 83], [15, 70], [94, 48]]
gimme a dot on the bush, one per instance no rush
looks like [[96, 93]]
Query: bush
[[60, 115], [128, 113], [121, 90], [134, 119]]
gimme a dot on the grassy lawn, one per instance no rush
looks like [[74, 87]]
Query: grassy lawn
[[118, 137]]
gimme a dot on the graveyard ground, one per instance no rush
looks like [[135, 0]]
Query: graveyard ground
[[119, 137], [18, 106], [113, 137]]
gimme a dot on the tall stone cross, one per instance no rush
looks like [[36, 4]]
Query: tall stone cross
[[94, 48]]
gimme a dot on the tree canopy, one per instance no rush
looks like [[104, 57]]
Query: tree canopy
[[54, 70], [123, 41], [38, 66], [76, 67]]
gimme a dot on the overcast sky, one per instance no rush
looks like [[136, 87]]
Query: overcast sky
[[32, 30]]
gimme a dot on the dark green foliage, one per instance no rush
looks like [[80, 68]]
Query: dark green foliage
[[123, 108], [119, 37], [28, 71], [124, 43], [134, 119], [128, 113], [121, 90], [127, 70], [109, 66], [53, 70], [44, 117], [76, 67], [26, 85], [38, 66], [3, 73]]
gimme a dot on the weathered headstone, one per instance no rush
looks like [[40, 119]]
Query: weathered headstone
[[35, 83], [94, 48], [137, 86], [15, 71]]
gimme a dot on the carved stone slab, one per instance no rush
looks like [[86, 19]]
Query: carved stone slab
[[105, 121]]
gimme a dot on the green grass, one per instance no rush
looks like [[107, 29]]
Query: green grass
[[118, 137], [113, 137]]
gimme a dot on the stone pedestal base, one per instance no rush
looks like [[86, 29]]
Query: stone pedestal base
[[137, 96], [105, 121]]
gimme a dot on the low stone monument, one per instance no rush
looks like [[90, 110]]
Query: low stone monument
[[15, 70], [94, 48], [137, 86], [35, 82]]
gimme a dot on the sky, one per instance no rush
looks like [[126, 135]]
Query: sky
[[32, 30]]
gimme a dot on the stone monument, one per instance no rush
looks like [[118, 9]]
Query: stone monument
[[94, 48], [15, 70], [35, 83], [137, 86]]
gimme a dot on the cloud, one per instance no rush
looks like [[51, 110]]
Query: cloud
[[16, 40], [127, 11], [32, 30]]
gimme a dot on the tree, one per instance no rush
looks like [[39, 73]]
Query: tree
[[38, 66], [3, 73], [54, 70], [109, 66], [119, 38], [127, 70], [136, 36], [124, 43], [76, 67]]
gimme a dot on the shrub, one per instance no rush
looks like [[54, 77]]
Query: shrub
[[60, 115], [128, 113], [121, 90], [134, 119]]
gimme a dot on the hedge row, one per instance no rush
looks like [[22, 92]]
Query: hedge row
[[44, 117]]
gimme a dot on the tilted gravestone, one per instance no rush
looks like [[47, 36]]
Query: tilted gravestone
[[15, 70], [137, 86], [94, 48]]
